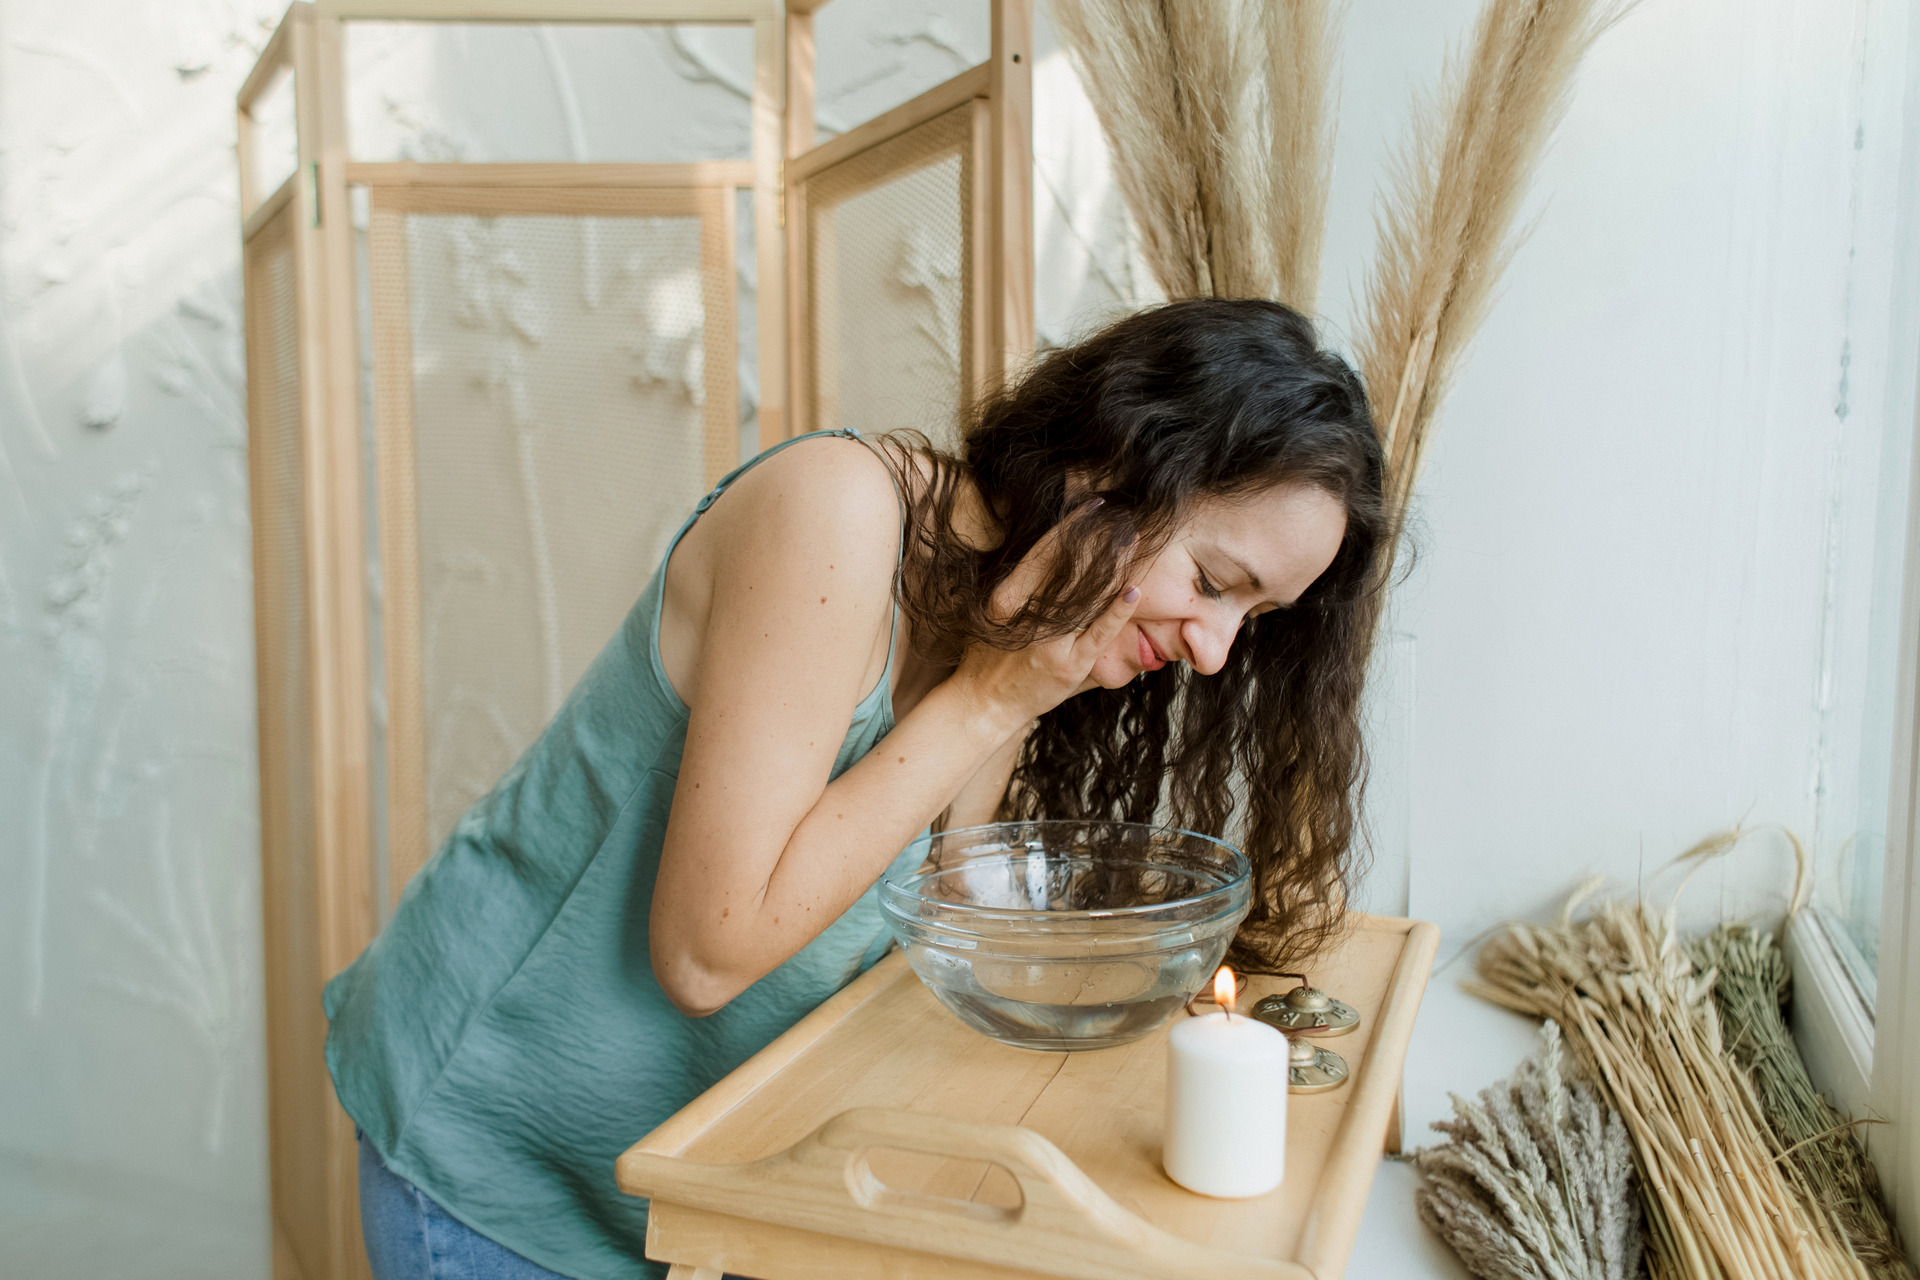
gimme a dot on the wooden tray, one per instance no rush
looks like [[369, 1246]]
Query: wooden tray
[[862, 1145]]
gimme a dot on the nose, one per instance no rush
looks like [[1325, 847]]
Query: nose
[[1209, 637]]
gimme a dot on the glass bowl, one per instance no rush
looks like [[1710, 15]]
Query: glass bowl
[[1067, 935]]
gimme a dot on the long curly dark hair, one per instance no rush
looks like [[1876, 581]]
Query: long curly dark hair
[[1205, 398]]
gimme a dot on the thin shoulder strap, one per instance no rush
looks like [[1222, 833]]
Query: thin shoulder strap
[[900, 552], [726, 481]]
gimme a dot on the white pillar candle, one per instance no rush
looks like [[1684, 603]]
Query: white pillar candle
[[1226, 1131]]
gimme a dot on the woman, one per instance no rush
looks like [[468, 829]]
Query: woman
[[1155, 566]]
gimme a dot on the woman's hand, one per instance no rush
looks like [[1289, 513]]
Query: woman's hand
[[1020, 684]]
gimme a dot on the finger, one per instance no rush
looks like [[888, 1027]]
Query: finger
[[1018, 587], [1094, 640]]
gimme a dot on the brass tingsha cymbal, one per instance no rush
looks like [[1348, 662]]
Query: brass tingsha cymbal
[[1313, 1068], [1307, 1011]]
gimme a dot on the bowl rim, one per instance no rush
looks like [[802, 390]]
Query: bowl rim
[[891, 889]]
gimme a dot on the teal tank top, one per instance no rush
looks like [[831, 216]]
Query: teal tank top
[[503, 1039]]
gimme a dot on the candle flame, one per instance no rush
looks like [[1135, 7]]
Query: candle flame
[[1223, 989]]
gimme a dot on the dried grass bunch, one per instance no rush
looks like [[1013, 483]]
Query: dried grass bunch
[[1536, 1182], [1219, 118], [1217, 115], [1751, 985], [1446, 223], [1641, 1020]]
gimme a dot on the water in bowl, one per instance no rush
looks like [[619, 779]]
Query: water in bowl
[[1064, 1006], [1065, 935]]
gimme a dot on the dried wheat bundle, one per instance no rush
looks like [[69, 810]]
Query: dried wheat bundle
[[1751, 985], [1642, 1022], [1216, 112], [1536, 1182], [1446, 226]]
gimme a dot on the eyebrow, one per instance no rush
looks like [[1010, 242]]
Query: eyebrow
[[1253, 579]]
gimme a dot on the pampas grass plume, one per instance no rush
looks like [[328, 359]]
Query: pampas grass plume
[[1446, 221], [1217, 117]]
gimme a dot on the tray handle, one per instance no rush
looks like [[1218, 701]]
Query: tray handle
[[1065, 1225], [1052, 1188]]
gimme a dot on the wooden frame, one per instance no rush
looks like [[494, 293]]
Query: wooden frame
[[573, 177], [318, 907], [600, 191], [275, 58], [768, 18], [269, 209], [997, 322], [908, 116], [851, 172], [1010, 213], [288, 642]]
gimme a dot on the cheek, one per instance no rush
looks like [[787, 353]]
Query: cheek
[[1165, 590], [1162, 597], [1117, 663]]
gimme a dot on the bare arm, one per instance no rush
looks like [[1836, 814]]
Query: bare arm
[[979, 799], [761, 852]]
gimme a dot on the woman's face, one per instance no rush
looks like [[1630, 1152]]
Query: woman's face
[[1229, 560]]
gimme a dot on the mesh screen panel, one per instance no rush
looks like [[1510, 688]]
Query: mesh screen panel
[[285, 675], [889, 260], [565, 415]]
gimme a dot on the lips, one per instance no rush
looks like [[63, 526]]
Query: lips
[[1150, 659]]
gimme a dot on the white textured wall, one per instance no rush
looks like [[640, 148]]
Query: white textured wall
[[131, 1097], [1640, 606], [1621, 607]]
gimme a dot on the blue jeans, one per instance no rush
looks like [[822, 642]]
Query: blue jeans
[[409, 1237]]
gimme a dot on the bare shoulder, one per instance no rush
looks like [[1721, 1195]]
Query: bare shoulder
[[804, 544], [820, 494]]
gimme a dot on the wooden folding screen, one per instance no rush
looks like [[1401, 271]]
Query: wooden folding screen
[[910, 243], [534, 453], [295, 954], [395, 686], [316, 877]]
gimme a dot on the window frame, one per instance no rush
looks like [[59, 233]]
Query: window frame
[[1866, 1058], [1894, 1092], [1865, 1053]]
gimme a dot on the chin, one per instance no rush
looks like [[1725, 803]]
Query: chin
[[1112, 672]]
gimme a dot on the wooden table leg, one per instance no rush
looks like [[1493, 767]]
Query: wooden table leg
[[1397, 1122], [687, 1271]]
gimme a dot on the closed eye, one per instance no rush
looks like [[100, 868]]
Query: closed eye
[[1207, 588]]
